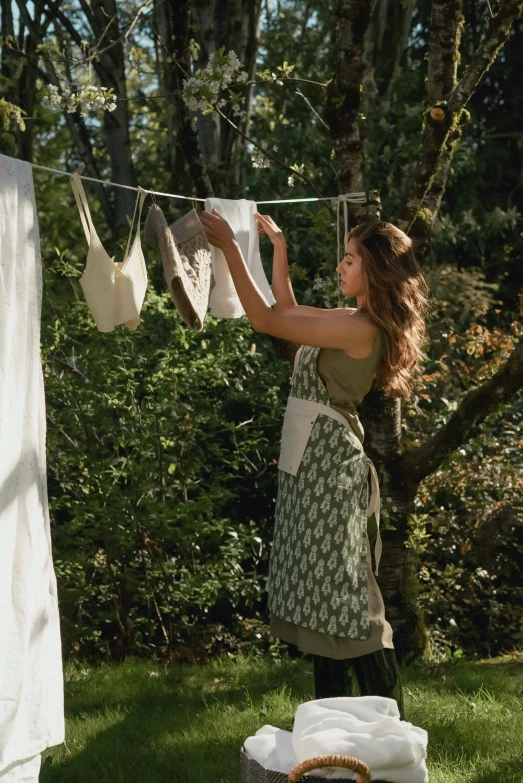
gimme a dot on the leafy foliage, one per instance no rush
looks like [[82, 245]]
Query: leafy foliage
[[161, 451], [472, 510]]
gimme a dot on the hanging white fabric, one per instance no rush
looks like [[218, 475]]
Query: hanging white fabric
[[31, 683], [224, 302]]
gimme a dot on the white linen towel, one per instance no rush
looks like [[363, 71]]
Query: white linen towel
[[367, 727], [31, 683], [224, 302]]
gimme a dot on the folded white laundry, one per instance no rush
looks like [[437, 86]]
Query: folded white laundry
[[272, 748], [224, 301], [368, 727]]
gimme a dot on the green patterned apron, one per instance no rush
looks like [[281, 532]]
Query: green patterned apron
[[318, 564]]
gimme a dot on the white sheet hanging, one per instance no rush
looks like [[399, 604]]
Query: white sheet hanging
[[31, 684], [239, 213]]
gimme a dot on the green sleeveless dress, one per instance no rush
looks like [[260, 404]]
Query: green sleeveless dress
[[352, 622]]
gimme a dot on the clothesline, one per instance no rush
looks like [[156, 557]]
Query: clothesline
[[359, 197], [355, 198]]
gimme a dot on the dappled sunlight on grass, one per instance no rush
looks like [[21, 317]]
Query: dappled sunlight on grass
[[147, 722]]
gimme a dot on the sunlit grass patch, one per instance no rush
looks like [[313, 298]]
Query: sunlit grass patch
[[150, 722]]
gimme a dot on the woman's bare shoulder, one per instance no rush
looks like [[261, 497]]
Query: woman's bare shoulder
[[367, 335]]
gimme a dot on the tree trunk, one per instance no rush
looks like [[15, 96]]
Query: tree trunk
[[344, 98], [252, 20], [168, 86], [109, 63], [81, 138], [381, 419], [385, 43], [84, 148], [176, 18], [26, 101], [206, 34], [75, 123], [380, 416]]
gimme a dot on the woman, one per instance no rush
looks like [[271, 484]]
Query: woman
[[323, 596]]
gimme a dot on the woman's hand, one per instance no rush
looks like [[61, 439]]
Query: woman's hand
[[219, 233], [266, 225]]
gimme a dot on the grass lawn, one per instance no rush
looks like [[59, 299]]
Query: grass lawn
[[142, 722]]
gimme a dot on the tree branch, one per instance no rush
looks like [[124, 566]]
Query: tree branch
[[63, 18], [176, 21], [443, 56], [446, 115], [311, 107], [283, 79], [91, 18], [498, 32], [96, 27], [422, 228], [29, 22], [475, 407]]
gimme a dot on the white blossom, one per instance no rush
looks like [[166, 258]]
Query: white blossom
[[259, 160], [73, 98], [204, 90]]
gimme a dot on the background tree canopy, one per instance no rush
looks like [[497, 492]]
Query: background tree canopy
[[162, 444]]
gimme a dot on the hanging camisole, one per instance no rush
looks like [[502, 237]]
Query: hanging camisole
[[114, 291]]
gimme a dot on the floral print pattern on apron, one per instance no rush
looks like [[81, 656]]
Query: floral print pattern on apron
[[318, 564]]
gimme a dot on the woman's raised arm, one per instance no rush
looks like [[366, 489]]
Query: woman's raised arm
[[281, 282], [347, 330]]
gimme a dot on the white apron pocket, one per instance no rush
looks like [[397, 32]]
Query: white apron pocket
[[297, 427]]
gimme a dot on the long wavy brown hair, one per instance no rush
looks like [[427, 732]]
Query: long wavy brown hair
[[396, 302]]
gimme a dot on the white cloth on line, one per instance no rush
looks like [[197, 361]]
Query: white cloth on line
[[31, 682], [25, 771], [224, 302], [367, 727]]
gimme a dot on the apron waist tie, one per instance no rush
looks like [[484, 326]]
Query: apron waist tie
[[373, 507]]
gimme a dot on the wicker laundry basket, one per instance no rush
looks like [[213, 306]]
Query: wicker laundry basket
[[253, 772]]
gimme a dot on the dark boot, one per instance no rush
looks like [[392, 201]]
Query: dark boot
[[378, 675], [331, 677]]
